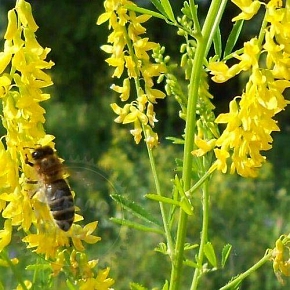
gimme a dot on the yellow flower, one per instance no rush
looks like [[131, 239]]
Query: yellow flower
[[101, 282], [27, 283], [249, 9], [280, 254], [249, 58], [250, 120], [128, 49], [5, 235], [203, 146], [250, 123], [124, 90]]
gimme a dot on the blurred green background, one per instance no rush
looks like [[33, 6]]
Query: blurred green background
[[250, 214]]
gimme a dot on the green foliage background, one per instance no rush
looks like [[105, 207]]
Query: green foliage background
[[249, 214]]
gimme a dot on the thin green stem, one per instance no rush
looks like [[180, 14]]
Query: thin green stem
[[200, 182], [241, 277], [14, 270], [263, 30], [151, 159], [161, 204], [204, 237]]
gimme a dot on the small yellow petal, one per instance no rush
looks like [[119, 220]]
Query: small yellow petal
[[12, 25], [25, 14]]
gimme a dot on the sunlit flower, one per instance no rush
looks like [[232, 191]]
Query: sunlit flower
[[129, 50], [101, 282], [203, 146], [22, 78], [249, 8], [5, 235], [28, 284], [250, 120], [280, 257]]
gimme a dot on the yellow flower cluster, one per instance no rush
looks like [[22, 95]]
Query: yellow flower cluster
[[128, 49], [22, 78], [80, 267], [249, 123], [280, 257], [23, 117]]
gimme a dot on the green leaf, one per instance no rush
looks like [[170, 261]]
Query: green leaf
[[164, 7], [37, 267], [186, 206], [135, 286], [145, 11], [175, 140], [210, 254], [136, 226], [166, 285], [233, 37], [159, 7], [188, 247], [217, 42], [190, 263], [225, 253], [168, 9], [70, 285], [162, 199], [135, 209], [184, 201]]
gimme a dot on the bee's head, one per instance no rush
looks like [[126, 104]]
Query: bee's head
[[42, 152]]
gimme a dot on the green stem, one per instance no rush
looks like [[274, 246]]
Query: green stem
[[161, 204], [200, 182], [203, 45], [241, 277], [14, 270], [204, 238]]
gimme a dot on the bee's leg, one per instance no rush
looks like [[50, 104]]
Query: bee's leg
[[27, 161]]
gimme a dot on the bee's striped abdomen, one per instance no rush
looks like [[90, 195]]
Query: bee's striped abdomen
[[61, 204]]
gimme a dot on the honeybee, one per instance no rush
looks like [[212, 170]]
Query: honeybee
[[57, 192]]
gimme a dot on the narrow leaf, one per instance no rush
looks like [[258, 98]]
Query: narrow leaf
[[159, 7], [135, 286], [188, 247], [225, 253], [136, 226], [190, 263], [145, 11], [175, 140], [162, 199], [217, 42], [185, 202], [135, 209], [168, 9], [70, 285], [166, 285], [210, 254], [233, 37], [186, 206], [37, 267]]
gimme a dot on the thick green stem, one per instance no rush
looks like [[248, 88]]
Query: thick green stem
[[203, 44]]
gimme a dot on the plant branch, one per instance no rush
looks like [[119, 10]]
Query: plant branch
[[203, 44], [241, 277]]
